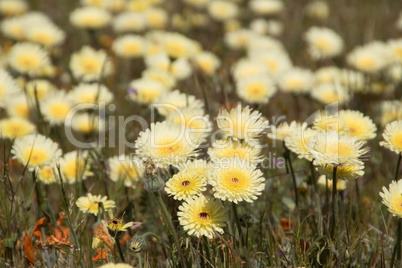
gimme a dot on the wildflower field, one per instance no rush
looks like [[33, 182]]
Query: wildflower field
[[200, 133]]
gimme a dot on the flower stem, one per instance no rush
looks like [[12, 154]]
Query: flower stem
[[237, 220], [292, 172], [397, 247], [120, 251], [168, 220], [397, 167], [334, 201], [313, 176]]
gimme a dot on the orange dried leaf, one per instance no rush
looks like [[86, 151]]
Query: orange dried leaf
[[101, 254], [62, 216], [125, 238], [102, 233], [286, 224], [29, 253], [37, 229]]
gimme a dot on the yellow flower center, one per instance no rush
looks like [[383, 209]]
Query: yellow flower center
[[176, 148], [235, 181], [398, 139], [272, 65], [126, 172], [59, 110], [229, 152], [322, 44], [329, 96], [206, 66], [295, 83], [35, 155], [176, 48], [28, 62], [22, 110], [90, 65], [94, 205], [398, 52], [255, 90], [397, 203], [74, 168], [148, 95], [339, 149], [43, 38], [366, 62], [132, 48], [16, 129]]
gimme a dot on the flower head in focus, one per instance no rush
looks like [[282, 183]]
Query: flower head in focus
[[202, 216], [186, 185], [235, 180]]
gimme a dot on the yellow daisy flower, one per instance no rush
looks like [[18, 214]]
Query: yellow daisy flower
[[298, 140], [393, 136], [359, 126], [35, 151], [185, 185], [167, 144], [28, 58], [47, 175], [172, 101], [15, 127], [392, 198], [145, 90], [227, 148], [90, 17], [203, 216], [55, 107], [193, 119], [255, 89], [74, 166], [89, 64], [90, 203], [126, 169], [241, 123], [236, 180], [340, 184], [8, 88], [331, 148], [323, 42], [283, 130]]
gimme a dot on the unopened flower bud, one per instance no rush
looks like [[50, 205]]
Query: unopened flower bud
[[154, 184], [137, 243]]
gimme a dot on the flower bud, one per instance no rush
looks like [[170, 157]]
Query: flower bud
[[137, 243], [154, 184]]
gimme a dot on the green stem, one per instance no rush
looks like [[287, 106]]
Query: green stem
[[397, 247], [168, 220], [120, 251], [397, 167], [237, 221], [334, 201], [292, 172], [313, 177]]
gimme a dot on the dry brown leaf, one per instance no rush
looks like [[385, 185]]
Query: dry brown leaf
[[102, 233], [37, 229], [101, 254], [29, 252]]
